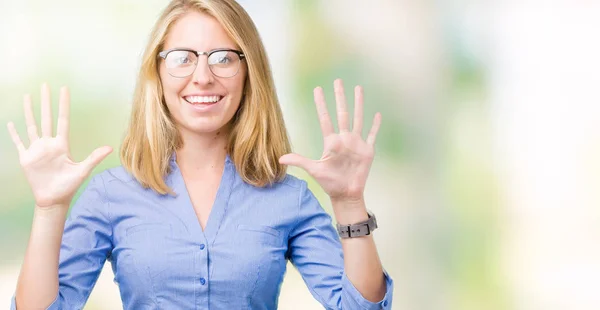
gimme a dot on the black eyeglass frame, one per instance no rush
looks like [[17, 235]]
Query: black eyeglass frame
[[165, 53]]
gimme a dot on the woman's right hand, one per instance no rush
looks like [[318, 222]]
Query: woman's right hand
[[53, 176]]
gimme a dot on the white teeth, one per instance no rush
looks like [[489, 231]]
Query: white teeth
[[202, 99]]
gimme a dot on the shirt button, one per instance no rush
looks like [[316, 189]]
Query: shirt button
[[202, 246], [202, 281], [385, 303]]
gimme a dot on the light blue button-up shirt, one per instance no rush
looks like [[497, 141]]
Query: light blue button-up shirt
[[162, 259]]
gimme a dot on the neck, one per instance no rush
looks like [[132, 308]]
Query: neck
[[202, 152]]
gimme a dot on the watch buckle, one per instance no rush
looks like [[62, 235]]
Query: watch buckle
[[349, 231]]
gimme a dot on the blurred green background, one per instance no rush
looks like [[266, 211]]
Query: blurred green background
[[486, 174]]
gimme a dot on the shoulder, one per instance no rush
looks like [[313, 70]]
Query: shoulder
[[100, 192], [293, 189], [290, 186], [115, 174], [291, 182], [117, 181], [286, 193]]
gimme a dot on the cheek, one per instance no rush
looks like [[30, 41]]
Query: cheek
[[164, 78], [239, 83], [171, 87], [237, 91]]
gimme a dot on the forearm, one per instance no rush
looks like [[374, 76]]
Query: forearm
[[361, 260], [37, 286]]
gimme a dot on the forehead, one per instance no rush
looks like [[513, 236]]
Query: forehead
[[198, 31]]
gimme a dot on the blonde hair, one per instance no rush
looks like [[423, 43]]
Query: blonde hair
[[258, 136]]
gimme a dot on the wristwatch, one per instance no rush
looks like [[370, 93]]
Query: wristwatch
[[358, 229]]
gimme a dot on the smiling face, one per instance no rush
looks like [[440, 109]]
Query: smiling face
[[202, 102]]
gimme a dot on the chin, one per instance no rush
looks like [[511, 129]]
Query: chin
[[205, 126], [205, 121]]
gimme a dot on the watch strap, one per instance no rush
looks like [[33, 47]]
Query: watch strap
[[359, 229]]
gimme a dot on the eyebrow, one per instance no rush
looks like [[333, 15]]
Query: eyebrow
[[192, 49]]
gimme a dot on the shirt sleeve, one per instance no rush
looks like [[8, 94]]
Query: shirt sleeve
[[86, 244], [316, 251]]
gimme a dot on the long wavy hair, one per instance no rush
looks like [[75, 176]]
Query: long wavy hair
[[258, 136]]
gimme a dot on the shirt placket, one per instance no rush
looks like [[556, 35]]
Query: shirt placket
[[201, 281]]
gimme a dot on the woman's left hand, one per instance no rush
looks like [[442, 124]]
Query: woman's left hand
[[344, 166]]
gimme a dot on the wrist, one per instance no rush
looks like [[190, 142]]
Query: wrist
[[350, 213], [348, 202], [50, 212]]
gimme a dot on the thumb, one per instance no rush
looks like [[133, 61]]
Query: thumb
[[95, 158], [300, 161]]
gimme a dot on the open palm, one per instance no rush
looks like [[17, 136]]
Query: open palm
[[52, 175], [344, 166]]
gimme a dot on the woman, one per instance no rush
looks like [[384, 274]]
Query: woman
[[201, 214]]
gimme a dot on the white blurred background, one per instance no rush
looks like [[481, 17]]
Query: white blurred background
[[486, 180]]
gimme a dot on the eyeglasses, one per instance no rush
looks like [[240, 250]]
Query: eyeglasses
[[182, 62]]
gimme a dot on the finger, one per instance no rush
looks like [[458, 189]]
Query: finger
[[340, 103], [358, 110], [374, 129], [297, 161], [95, 158], [62, 127], [30, 119], [46, 112], [324, 119], [15, 138]]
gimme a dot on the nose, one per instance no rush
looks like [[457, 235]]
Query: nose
[[202, 75]]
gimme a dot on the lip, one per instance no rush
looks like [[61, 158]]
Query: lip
[[203, 107], [203, 94]]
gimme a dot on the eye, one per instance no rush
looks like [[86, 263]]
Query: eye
[[222, 58], [180, 58]]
